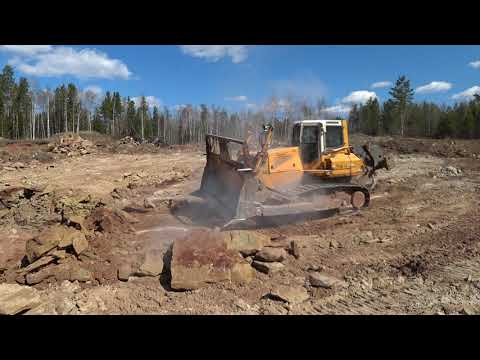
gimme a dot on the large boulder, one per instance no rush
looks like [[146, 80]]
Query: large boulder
[[202, 257], [269, 254], [318, 279], [15, 299], [246, 242], [268, 267]]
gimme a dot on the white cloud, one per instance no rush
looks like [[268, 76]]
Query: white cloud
[[151, 101], [60, 61], [236, 98], [338, 109], [475, 64], [467, 94], [381, 84], [433, 87], [26, 50], [213, 53], [359, 97], [345, 105], [97, 90], [251, 105]]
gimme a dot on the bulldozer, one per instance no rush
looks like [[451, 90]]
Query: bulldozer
[[318, 171]]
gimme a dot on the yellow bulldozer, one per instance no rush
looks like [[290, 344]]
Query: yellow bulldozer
[[319, 171]]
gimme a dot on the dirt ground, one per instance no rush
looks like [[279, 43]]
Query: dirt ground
[[414, 250]]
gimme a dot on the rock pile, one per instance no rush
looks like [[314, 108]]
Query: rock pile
[[128, 140], [71, 145], [26, 206], [61, 245], [450, 171]]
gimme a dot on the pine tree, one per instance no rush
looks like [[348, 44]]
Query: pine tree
[[402, 95], [143, 113], [21, 107], [156, 120], [72, 105], [370, 117], [131, 118], [354, 119], [446, 127], [117, 110], [7, 94]]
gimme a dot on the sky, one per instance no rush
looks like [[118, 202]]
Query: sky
[[245, 77]]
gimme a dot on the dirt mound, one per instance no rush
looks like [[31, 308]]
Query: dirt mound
[[24, 152], [436, 147], [71, 145]]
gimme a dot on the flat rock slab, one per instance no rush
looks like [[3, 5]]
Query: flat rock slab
[[16, 298], [317, 279], [268, 267], [153, 264], [44, 242], [246, 242], [79, 242], [39, 263], [292, 295], [202, 257], [66, 271], [269, 254]]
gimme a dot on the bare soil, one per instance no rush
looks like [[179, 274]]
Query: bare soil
[[414, 250]]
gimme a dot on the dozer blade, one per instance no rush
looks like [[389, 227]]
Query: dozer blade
[[223, 178]]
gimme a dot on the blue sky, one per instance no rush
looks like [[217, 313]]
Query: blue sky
[[238, 76]]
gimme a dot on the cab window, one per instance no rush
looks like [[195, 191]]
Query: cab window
[[334, 137], [310, 143], [310, 135]]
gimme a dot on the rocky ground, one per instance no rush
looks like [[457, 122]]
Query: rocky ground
[[89, 230]]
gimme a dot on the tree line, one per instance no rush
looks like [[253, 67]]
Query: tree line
[[27, 112], [399, 115]]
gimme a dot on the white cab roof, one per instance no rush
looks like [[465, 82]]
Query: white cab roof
[[332, 122]]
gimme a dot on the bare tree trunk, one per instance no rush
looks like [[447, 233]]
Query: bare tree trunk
[[113, 117], [66, 121], [73, 116], [78, 122], [164, 127], [401, 124], [33, 121], [142, 127], [48, 116]]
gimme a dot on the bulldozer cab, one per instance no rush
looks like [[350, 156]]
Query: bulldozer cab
[[315, 137]]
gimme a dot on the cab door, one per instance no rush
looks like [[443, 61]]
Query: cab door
[[310, 142]]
